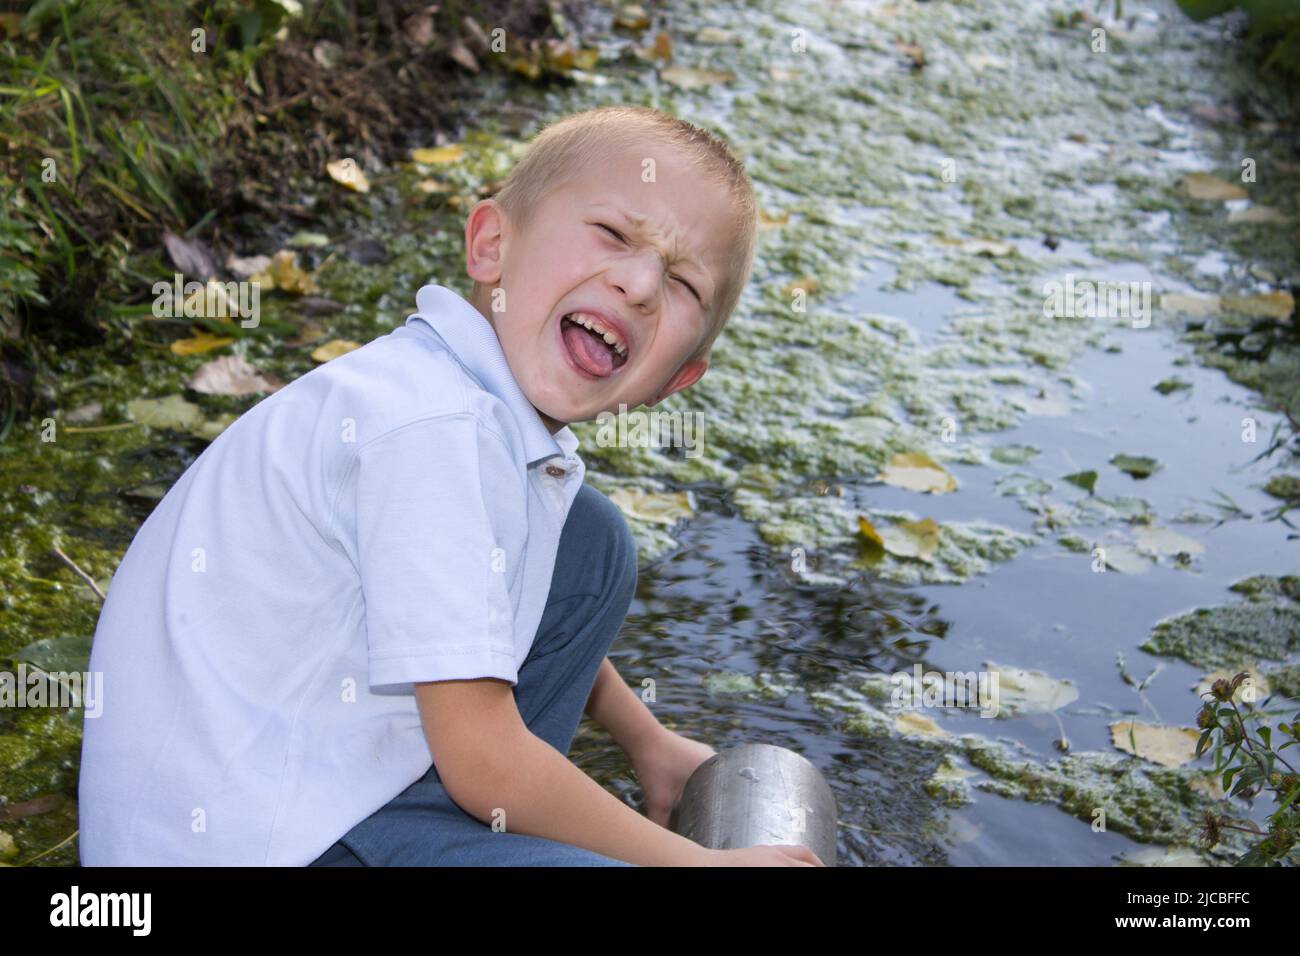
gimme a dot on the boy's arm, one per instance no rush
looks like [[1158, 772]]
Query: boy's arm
[[495, 768], [618, 709]]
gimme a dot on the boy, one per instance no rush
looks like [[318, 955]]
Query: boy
[[362, 628]]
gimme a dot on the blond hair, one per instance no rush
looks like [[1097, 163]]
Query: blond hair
[[581, 141]]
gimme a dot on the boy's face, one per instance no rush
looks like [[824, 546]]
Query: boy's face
[[652, 281]]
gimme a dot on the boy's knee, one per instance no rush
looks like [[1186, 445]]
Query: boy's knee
[[621, 554]]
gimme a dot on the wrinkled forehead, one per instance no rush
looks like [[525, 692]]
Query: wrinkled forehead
[[659, 190]]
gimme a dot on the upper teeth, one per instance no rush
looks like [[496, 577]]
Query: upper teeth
[[593, 323]]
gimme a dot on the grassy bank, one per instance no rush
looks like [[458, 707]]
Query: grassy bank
[[120, 121]]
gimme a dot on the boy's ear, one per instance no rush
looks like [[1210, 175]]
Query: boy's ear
[[484, 234], [686, 376]]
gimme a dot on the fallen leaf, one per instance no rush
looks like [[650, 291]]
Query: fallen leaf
[[1265, 305], [1157, 540], [662, 49], [347, 173], [689, 78], [1013, 454], [1139, 466], [916, 724], [200, 342], [631, 17], [1087, 480], [807, 284], [716, 36], [1190, 303], [659, 507], [438, 155], [766, 221], [190, 256], [1205, 186], [243, 268], [231, 375], [459, 52], [1020, 691], [912, 539], [173, 411], [333, 349], [1257, 685], [1166, 746], [285, 274], [1125, 560], [917, 471], [1257, 214]]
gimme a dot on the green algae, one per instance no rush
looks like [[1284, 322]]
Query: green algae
[[1147, 803], [1229, 635]]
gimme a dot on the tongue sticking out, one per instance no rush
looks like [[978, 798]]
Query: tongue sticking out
[[591, 353]]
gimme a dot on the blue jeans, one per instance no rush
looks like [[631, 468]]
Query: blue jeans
[[591, 591]]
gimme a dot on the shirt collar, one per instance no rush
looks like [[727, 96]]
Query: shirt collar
[[473, 340]]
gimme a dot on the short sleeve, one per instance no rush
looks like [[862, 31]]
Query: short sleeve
[[437, 604]]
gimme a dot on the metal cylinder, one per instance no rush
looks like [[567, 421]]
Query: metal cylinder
[[758, 794]]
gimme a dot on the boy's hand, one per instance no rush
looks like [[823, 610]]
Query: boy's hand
[[663, 763]]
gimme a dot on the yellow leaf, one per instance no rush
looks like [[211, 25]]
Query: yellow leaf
[[347, 173], [913, 539], [660, 507], [808, 284], [1166, 746], [911, 722], [333, 349], [917, 471], [285, 274], [766, 221], [689, 78], [1205, 186], [868, 531], [1189, 303], [201, 342], [441, 154], [1265, 305]]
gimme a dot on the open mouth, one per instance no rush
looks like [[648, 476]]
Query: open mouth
[[590, 352]]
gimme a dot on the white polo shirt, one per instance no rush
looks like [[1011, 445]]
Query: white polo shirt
[[390, 517]]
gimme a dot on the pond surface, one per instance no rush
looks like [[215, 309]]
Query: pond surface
[[924, 211]]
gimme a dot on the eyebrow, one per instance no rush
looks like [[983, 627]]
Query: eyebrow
[[640, 222]]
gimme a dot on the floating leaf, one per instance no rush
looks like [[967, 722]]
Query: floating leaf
[[1022, 691], [1257, 686], [1087, 480], [347, 173], [1190, 304], [869, 533], [201, 342], [1138, 466], [1205, 186], [1175, 384], [917, 724], [716, 36], [170, 412], [1166, 746], [807, 284], [660, 507], [917, 471], [1157, 540], [1264, 305], [689, 78], [438, 155], [1013, 454], [231, 375], [333, 349], [912, 539], [1126, 560], [1161, 856], [1257, 214]]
